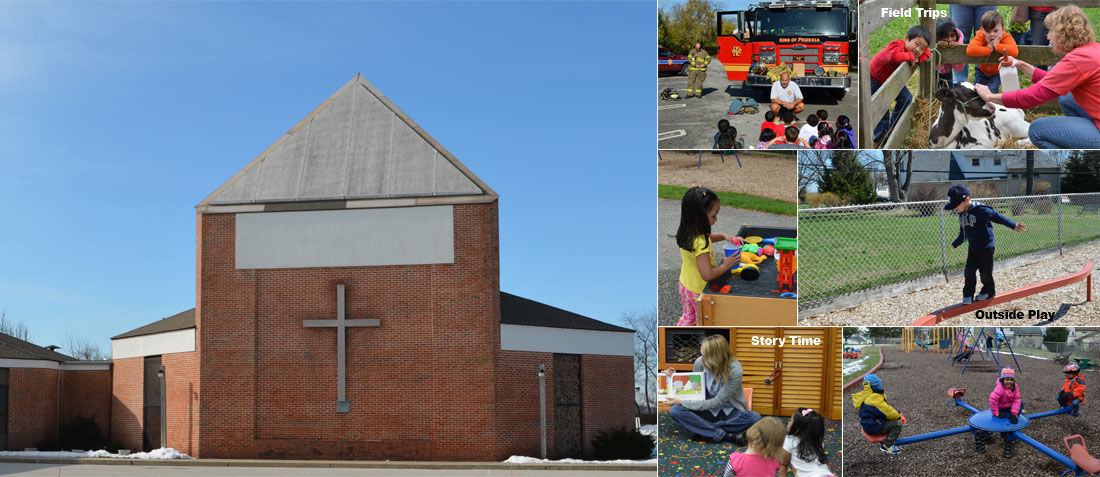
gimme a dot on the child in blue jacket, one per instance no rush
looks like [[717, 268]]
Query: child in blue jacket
[[976, 226], [876, 416]]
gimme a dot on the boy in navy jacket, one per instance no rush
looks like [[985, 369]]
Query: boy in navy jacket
[[976, 226]]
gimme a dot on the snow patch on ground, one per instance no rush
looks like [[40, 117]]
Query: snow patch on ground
[[158, 454], [647, 430], [854, 365], [518, 459]]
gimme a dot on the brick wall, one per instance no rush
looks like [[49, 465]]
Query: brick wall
[[421, 386], [518, 404], [607, 400], [32, 406], [127, 400], [87, 393], [182, 387]]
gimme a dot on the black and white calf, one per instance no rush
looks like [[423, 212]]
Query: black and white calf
[[968, 122]]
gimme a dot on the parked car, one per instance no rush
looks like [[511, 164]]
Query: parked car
[[669, 62]]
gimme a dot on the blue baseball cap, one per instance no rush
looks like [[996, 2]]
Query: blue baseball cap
[[956, 195]]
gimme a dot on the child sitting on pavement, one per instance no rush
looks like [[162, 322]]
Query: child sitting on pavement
[[790, 140], [766, 136], [976, 227], [876, 416], [769, 123], [808, 131]]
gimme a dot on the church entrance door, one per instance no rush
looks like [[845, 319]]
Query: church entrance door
[[151, 422], [567, 406], [3, 408]]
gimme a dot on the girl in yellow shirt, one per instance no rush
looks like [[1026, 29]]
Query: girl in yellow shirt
[[698, 212]]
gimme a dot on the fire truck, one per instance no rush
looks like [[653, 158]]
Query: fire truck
[[811, 40]]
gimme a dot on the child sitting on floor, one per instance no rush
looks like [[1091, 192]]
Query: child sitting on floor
[[764, 451], [804, 446]]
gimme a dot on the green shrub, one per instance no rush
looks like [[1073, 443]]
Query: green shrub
[[622, 444], [825, 199], [80, 433]]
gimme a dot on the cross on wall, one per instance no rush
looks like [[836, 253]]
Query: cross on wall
[[341, 323]]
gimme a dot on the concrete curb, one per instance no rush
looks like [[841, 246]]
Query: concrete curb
[[853, 383], [333, 464]]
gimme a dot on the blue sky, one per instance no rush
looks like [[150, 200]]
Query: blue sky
[[118, 118]]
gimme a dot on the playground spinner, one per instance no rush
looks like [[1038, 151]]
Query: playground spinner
[[1079, 462]]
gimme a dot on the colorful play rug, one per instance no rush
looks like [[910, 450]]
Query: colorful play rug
[[680, 456]]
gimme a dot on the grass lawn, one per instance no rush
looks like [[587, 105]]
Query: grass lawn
[[841, 252], [871, 352], [733, 199]]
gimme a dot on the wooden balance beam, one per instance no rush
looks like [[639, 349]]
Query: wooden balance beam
[[959, 309]]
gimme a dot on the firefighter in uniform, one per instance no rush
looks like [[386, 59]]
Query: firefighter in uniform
[[698, 59]]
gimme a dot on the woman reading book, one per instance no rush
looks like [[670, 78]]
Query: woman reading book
[[724, 414]]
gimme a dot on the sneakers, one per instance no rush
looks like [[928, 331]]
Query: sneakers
[[892, 450], [982, 296], [1075, 412], [967, 300]]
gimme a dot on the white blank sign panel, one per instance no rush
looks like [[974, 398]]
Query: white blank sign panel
[[346, 238]]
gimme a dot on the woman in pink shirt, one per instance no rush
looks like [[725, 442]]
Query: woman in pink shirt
[[1074, 80]]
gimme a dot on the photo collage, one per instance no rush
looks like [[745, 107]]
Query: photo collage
[[878, 226]]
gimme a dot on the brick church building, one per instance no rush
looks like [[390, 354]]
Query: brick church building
[[348, 306]]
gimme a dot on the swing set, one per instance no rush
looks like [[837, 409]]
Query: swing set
[[955, 340]]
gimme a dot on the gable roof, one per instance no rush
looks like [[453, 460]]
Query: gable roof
[[516, 310], [179, 321], [355, 145], [15, 348]]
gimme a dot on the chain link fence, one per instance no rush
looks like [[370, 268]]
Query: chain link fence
[[847, 249]]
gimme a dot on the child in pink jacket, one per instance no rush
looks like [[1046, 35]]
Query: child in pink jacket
[[1004, 402]]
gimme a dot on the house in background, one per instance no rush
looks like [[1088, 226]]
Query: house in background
[[1004, 171]]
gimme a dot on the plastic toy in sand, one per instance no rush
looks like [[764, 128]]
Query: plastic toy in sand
[[1079, 464], [788, 263]]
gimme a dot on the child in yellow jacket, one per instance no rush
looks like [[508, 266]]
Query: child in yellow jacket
[[991, 37]]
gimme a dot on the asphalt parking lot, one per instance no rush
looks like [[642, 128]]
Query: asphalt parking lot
[[698, 117]]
